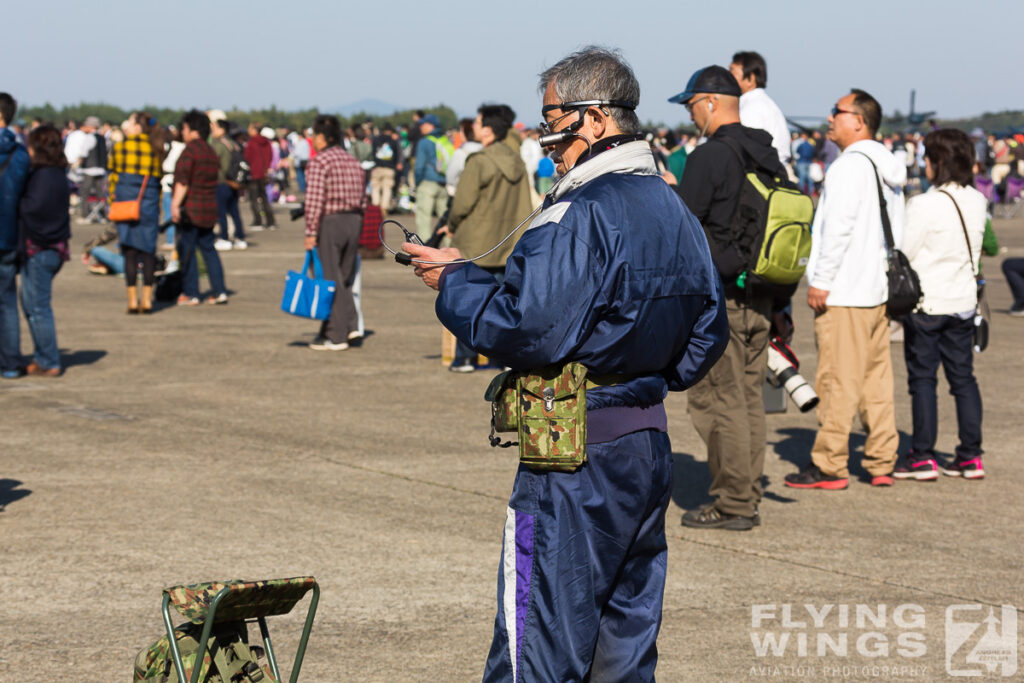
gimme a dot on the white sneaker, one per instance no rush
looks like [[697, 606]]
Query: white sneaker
[[222, 245], [240, 244], [325, 344]]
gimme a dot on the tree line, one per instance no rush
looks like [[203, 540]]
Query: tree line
[[274, 117]]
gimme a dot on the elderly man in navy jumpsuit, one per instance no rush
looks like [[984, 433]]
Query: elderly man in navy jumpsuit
[[614, 273]]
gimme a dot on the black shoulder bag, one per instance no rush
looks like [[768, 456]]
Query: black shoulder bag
[[904, 285], [981, 310]]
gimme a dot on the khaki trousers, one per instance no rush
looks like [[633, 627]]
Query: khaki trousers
[[382, 183], [854, 376], [727, 410], [431, 202]]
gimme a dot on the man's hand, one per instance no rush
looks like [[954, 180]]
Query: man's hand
[[175, 213], [310, 242], [816, 299], [669, 178], [443, 230], [782, 325], [430, 273]]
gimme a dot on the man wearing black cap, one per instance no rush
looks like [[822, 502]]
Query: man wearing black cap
[[726, 406]]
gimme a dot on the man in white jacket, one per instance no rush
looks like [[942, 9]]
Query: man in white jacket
[[848, 291], [757, 108]]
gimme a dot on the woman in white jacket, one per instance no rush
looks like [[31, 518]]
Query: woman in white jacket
[[944, 250]]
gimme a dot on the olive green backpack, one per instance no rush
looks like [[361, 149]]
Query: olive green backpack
[[773, 228], [228, 657]]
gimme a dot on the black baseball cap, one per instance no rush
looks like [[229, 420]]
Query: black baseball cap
[[712, 79]]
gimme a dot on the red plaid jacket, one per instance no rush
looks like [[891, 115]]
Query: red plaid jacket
[[335, 182], [197, 167]]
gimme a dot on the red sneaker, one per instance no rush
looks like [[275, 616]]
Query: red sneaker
[[882, 480], [812, 478]]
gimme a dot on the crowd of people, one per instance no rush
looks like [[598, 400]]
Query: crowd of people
[[635, 264]]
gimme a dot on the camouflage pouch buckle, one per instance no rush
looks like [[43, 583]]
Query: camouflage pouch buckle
[[551, 411]]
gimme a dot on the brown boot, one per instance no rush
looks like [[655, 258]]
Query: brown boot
[[133, 300], [146, 304]]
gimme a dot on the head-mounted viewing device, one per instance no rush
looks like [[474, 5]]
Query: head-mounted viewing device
[[551, 138]]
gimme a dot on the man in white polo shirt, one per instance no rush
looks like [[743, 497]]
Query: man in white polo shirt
[[757, 109]]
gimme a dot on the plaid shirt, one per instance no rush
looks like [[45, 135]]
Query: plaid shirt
[[335, 182], [197, 168], [132, 155]]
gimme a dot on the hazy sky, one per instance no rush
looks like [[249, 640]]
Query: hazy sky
[[299, 54]]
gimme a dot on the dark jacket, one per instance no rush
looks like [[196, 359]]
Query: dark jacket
[[711, 184], [259, 154], [43, 209], [615, 273], [387, 151], [12, 184]]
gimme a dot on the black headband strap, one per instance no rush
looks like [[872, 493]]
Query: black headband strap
[[564, 106]]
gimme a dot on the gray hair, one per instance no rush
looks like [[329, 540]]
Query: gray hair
[[596, 73]]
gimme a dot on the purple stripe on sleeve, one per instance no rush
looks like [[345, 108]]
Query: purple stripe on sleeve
[[524, 574]]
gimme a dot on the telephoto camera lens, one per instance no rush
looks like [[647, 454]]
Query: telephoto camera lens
[[783, 373]]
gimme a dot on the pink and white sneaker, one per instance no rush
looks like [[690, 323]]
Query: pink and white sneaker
[[925, 469], [968, 469]]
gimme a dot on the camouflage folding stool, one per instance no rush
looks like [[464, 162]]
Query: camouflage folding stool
[[238, 601]]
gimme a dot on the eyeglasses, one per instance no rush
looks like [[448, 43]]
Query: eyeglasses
[[836, 111], [690, 105]]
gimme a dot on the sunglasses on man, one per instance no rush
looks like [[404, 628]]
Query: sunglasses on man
[[836, 111]]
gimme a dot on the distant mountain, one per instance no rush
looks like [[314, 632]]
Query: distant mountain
[[374, 107]]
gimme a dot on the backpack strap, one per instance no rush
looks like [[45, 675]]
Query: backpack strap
[[736, 149], [243, 657], [746, 161], [890, 243], [967, 240]]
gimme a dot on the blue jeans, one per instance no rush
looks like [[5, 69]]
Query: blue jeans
[[928, 341], [36, 289], [167, 196], [300, 175], [192, 236], [108, 258], [1013, 269], [803, 174], [583, 567], [227, 205], [10, 340]]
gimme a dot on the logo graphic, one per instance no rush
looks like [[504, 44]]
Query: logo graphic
[[980, 643]]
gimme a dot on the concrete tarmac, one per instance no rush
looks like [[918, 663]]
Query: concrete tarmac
[[211, 443]]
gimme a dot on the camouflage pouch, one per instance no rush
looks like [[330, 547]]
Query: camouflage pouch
[[552, 418]]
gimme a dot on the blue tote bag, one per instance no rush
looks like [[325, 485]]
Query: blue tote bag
[[308, 297]]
